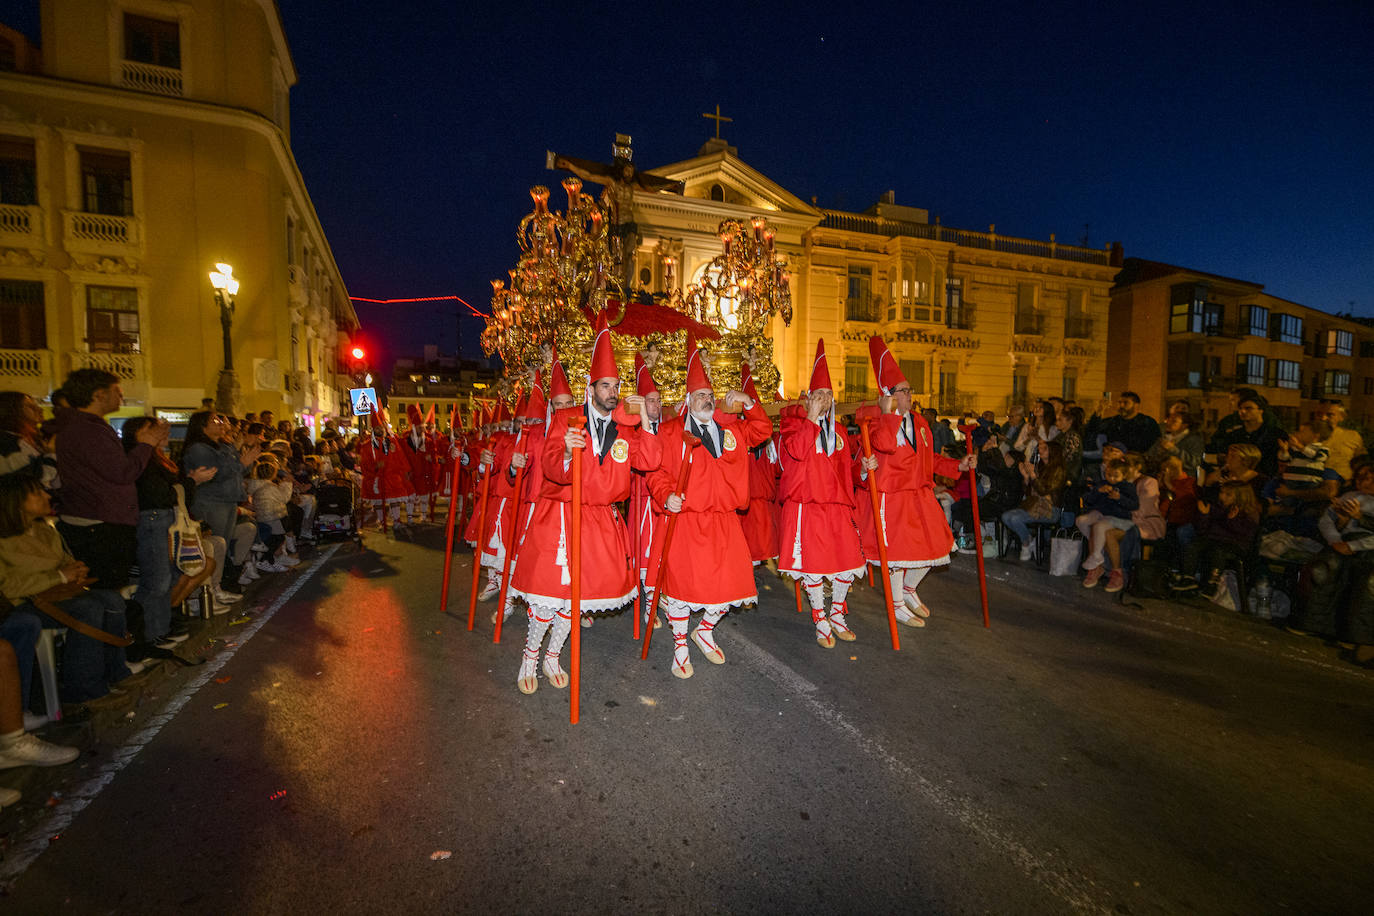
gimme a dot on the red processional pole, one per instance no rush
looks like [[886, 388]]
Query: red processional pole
[[575, 566], [448, 538], [880, 535], [481, 526], [977, 525], [510, 547], [690, 442]]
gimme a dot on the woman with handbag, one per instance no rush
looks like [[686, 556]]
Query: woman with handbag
[[158, 502], [1045, 486]]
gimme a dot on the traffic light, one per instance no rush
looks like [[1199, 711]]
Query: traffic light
[[359, 353], [357, 364]]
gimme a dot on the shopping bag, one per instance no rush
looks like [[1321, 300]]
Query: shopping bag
[[1066, 552]]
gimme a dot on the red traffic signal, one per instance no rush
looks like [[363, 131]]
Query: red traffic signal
[[358, 353]]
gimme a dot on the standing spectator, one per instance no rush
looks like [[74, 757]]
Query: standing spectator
[[1179, 440], [1252, 424], [157, 502], [1343, 444], [1070, 424], [216, 501], [99, 498], [1129, 426]]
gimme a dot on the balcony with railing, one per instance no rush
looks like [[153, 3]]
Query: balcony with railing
[[102, 233], [963, 317], [1198, 380], [151, 78], [991, 241], [862, 308], [1078, 327], [1028, 323], [29, 371], [21, 226], [955, 403]]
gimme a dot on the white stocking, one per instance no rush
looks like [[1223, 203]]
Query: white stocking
[[913, 579], [681, 657], [814, 587], [539, 618], [706, 629], [562, 626], [839, 590]]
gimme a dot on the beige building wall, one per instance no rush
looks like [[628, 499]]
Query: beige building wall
[[210, 178]]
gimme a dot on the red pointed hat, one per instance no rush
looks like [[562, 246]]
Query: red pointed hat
[[520, 404], [885, 368], [535, 405], [820, 370], [377, 418], [413, 415], [644, 381], [746, 382], [696, 372], [603, 356], [558, 380], [502, 413], [429, 414]]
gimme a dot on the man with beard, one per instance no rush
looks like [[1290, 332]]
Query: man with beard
[[904, 464], [818, 539], [707, 566], [613, 445]]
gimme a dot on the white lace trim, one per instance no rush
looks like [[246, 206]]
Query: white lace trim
[[589, 605], [913, 564], [856, 572], [671, 604]]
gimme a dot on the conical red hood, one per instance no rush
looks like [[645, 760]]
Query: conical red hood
[[558, 381], [746, 382], [603, 355], [535, 405], [413, 415], [885, 368], [644, 382], [696, 372], [429, 414], [820, 371], [502, 413]]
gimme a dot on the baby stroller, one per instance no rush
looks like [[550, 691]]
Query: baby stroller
[[337, 509]]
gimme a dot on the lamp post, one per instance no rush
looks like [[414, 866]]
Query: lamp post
[[226, 288]]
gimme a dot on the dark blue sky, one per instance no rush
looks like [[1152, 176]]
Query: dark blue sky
[[1234, 138]]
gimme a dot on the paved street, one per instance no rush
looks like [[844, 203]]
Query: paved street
[[353, 750]]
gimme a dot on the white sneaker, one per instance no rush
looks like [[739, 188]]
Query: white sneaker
[[264, 566], [288, 561], [223, 597], [250, 572], [28, 750], [9, 797], [1025, 553], [290, 543], [33, 722]]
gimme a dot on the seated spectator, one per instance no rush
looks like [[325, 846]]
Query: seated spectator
[[1178, 503], [36, 565], [270, 490], [1180, 439], [1148, 523], [1109, 506], [1225, 536], [1339, 584], [1041, 427], [1016, 418], [1240, 463], [1044, 487], [20, 417], [1343, 445], [1005, 490], [1136, 431], [17, 746], [1304, 485]]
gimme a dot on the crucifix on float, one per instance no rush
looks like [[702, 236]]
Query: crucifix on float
[[620, 179]]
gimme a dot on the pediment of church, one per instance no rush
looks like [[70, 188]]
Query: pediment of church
[[718, 174]]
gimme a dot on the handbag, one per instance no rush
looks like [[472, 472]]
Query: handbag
[[1066, 552], [184, 542]]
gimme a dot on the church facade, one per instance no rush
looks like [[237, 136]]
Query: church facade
[[978, 320]]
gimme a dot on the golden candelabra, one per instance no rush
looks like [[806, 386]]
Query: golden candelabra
[[568, 267]]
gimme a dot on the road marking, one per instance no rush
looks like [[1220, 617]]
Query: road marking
[[26, 850], [1078, 892]]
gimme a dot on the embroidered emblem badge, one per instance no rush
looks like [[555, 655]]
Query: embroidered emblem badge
[[620, 451], [728, 440]]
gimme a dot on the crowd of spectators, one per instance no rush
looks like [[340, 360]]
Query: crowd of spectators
[[1249, 497], [85, 517]]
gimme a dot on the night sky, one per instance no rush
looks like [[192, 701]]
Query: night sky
[[1233, 138]]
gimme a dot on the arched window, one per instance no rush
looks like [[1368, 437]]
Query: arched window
[[717, 192]]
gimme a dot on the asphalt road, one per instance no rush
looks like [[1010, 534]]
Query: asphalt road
[[356, 751]]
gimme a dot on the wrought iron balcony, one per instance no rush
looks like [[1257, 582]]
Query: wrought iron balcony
[[1078, 328], [1029, 323], [962, 317], [862, 308]]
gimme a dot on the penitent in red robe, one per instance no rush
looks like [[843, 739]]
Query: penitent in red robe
[[760, 520], [917, 533], [817, 534], [542, 576], [708, 565]]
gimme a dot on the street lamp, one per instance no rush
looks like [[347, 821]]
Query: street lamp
[[226, 287]]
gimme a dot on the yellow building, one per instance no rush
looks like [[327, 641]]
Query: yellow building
[[978, 320], [145, 142], [1177, 333]]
